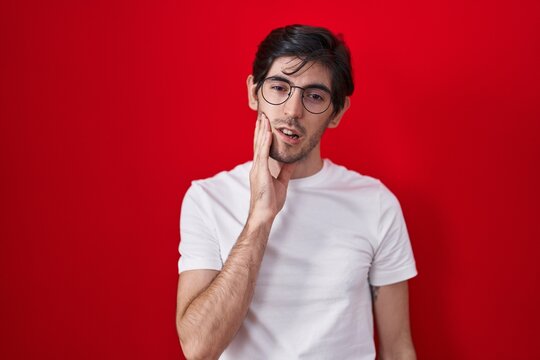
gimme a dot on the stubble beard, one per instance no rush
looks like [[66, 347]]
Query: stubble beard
[[287, 157], [284, 157]]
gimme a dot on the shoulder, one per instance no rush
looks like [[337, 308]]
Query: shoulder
[[343, 177], [355, 182], [223, 182]]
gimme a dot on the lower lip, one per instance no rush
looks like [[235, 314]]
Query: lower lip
[[289, 140]]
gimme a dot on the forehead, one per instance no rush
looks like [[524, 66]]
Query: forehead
[[311, 73]]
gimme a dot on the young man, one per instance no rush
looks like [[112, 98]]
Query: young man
[[289, 256]]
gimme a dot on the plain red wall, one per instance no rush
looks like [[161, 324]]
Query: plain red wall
[[109, 109]]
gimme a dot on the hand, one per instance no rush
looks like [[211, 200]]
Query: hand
[[267, 193]]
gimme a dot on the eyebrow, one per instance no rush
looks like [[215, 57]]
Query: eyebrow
[[309, 86]]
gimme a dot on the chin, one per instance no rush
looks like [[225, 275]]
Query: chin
[[285, 158]]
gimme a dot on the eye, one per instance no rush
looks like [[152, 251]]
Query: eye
[[277, 86], [316, 95]]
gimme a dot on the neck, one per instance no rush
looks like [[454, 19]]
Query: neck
[[305, 167]]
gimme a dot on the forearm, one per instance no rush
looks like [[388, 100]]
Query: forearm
[[213, 318], [391, 309]]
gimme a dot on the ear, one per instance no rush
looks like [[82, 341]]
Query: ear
[[253, 100], [337, 118]]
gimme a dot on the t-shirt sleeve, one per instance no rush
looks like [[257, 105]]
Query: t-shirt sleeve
[[394, 260], [199, 247]]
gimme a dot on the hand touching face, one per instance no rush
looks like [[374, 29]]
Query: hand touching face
[[267, 193]]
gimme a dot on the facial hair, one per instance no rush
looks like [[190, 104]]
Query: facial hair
[[308, 145]]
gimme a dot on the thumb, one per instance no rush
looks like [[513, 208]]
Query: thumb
[[286, 173]]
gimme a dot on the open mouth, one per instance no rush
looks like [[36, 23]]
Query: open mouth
[[289, 133]]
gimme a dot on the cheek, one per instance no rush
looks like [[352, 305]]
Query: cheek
[[271, 111], [316, 132]]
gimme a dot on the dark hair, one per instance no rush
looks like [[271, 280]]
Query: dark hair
[[309, 44]]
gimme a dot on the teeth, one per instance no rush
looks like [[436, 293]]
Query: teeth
[[287, 132]]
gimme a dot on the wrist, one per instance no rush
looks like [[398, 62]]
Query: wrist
[[260, 220]]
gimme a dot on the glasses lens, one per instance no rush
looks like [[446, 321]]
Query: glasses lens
[[275, 91], [316, 100]]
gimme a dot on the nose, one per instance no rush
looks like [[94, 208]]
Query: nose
[[294, 107]]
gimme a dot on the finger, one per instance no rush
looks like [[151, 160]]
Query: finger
[[256, 135], [260, 136], [259, 139], [286, 172], [266, 140]]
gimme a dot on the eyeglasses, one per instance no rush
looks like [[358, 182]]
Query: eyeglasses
[[315, 99]]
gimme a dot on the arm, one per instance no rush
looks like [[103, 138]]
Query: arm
[[212, 305], [391, 309]]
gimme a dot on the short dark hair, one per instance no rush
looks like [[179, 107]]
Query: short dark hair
[[309, 44]]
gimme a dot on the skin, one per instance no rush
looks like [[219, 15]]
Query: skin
[[391, 312], [292, 114], [211, 305]]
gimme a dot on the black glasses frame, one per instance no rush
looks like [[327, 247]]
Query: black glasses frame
[[291, 87]]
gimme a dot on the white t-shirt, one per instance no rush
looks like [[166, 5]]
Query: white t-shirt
[[338, 233]]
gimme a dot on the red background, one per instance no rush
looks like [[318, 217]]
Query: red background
[[109, 109]]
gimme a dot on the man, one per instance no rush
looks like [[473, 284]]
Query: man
[[278, 254]]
